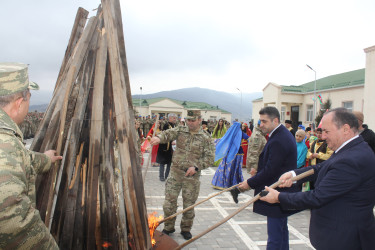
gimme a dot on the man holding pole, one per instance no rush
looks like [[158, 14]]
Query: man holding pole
[[279, 155], [194, 151], [343, 200], [20, 224]]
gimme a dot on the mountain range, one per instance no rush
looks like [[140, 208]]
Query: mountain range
[[239, 104]]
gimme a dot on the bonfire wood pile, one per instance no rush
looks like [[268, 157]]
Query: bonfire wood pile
[[94, 197]]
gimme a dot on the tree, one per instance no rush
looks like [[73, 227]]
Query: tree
[[323, 108]]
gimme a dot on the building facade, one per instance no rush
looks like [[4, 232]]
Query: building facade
[[369, 90], [296, 103], [164, 106]]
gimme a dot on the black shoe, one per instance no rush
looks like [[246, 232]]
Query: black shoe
[[234, 192], [167, 232], [186, 235], [162, 179]]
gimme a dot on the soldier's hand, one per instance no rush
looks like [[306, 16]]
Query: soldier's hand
[[52, 155], [191, 171], [155, 140], [286, 180]]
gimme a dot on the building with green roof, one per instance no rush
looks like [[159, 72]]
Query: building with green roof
[[163, 106], [296, 103]]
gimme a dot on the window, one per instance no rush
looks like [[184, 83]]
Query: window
[[282, 115], [348, 105], [309, 113]]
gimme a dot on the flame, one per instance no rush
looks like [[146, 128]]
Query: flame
[[106, 244], [153, 223]]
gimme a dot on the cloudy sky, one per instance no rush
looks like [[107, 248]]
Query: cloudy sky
[[215, 44]]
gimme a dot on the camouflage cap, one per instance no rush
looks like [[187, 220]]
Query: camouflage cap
[[14, 78], [193, 114]]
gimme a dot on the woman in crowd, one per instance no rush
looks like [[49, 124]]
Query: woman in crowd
[[301, 148], [146, 144], [229, 149], [219, 131]]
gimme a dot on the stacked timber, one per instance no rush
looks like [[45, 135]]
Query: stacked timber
[[94, 198]]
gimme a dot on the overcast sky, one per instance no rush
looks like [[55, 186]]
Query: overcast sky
[[220, 45]]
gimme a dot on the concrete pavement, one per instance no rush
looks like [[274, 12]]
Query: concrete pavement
[[246, 230]]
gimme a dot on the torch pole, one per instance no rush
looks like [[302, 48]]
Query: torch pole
[[275, 185], [196, 204]]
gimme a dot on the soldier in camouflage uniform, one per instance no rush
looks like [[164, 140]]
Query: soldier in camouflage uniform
[[194, 151], [257, 141], [20, 224], [148, 125]]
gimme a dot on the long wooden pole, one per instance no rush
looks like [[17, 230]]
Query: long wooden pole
[[196, 204], [275, 185]]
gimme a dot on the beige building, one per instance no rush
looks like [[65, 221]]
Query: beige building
[[164, 106], [353, 90], [369, 90], [296, 103]]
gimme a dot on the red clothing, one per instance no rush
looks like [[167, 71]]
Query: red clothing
[[244, 145]]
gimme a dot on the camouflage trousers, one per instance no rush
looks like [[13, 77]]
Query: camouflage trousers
[[190, 191]]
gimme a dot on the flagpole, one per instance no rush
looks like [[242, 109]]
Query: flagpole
[[314, 113]]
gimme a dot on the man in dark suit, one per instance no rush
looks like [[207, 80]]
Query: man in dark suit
[[165, 152], [279, 155], [343, 200]]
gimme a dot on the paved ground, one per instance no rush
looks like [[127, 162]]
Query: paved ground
[[246, 230]]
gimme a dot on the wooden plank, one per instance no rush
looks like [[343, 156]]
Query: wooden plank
[[115, 232], [75, 35], [139, 188], [95, 138], [70, 208], [137, 219]]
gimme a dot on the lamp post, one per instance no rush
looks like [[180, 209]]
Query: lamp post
[[240, 104], [314, 111], [140, 101]]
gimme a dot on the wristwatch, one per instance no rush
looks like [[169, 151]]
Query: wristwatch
[[196, 169]]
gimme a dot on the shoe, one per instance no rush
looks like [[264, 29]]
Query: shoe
[[167, 232], [234, 192], [186, 235], [162, 179]]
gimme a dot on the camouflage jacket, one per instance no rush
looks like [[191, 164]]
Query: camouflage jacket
[[20, 224], [257, 141], [192, 149]]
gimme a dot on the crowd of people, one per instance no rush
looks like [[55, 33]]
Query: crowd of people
[[269, 150], [30, 124]]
